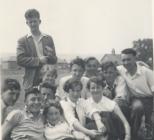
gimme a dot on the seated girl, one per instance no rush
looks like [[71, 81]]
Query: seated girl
[[74, 114], [107, 110], [56, 128]]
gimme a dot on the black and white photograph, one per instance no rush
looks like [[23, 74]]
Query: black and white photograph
[[77, 70]]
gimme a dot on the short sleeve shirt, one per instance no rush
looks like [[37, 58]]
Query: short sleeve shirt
[[24, 125]]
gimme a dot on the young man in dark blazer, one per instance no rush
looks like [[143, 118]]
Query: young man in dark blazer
[[34, 50]]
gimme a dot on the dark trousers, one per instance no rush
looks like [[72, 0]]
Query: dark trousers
[[113, 124], [140, 107]]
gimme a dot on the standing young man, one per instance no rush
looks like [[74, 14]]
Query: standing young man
[[34, 50], [140, 83]]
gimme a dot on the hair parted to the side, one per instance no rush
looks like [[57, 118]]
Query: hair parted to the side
[[31, 13], [10, 84], [129, 51], [78, 61], [97, 81], [107, 65], [71, 84]]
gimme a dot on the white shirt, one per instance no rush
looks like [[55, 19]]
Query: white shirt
[[38, 44], [62, 94], [69, 111], [141, 84], [105, 105]]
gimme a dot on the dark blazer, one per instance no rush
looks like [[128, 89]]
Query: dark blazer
[[27, 57]]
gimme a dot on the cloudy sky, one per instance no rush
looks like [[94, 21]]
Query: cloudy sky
[[79, 27]]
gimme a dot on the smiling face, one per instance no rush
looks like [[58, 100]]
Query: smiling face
[[96, 91], [53, 115], [129, 61], [34, 102], [10, 96], [77, 71], [110, 74]]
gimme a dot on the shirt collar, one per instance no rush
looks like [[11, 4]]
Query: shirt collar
[[138, 71], [30, 35]]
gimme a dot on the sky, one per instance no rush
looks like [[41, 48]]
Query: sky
[[79, 27]]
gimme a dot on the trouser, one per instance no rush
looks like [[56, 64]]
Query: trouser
[[113, 124], [140, 107], [124, 106]]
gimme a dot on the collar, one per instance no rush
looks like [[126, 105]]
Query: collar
[[138, 71], [92, 101], [30, 35]]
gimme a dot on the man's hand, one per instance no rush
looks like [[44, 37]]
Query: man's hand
[[102, 129], [43, 59], [94, 133], [50, 51]]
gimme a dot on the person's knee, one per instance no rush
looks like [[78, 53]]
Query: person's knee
[[137, 106]]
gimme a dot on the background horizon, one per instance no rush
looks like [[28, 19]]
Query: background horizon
[[79, 27]]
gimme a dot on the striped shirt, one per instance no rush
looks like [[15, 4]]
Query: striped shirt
[[25, 125]]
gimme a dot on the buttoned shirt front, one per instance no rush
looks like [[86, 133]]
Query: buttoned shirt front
[[141, 84]]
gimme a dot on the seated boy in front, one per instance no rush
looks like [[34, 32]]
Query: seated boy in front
[[26, 124]]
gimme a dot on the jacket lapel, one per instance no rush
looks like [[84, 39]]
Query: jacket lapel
[[32, 46]]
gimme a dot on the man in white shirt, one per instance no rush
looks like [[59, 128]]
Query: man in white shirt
[[140, 83]]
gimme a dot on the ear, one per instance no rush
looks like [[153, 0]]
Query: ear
[[40, 21]]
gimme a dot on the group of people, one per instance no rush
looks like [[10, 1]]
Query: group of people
[[93, 102]]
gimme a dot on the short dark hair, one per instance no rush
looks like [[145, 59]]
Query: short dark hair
[[30, 13], [96, 80], [51, 72], [91, 58], [129, 51], [78, 61], [107, 65], [33, 90], [52, 104], [10, 84], [71, 83], [46, 84]]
